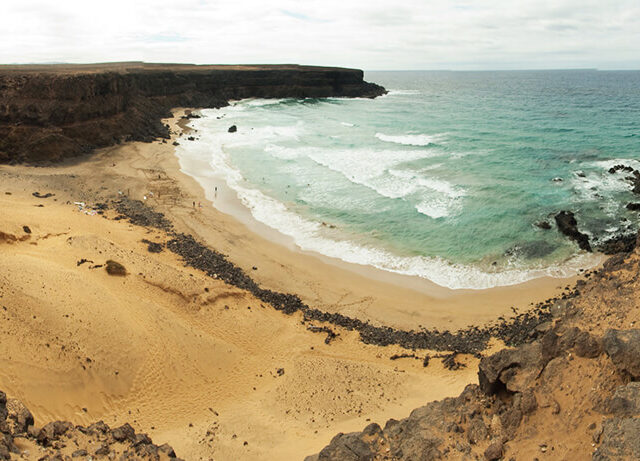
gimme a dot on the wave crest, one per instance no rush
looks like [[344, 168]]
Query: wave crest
[[410, 139]]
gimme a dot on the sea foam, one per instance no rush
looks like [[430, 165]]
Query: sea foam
[[310, 235], [409, 139]]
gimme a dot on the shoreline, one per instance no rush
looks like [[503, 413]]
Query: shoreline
[[226, 200], [181, 354], [427, 305]]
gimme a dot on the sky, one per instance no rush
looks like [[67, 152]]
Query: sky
[[366, 34]]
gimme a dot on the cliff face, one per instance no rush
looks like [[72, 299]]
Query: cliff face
[[48, 113]]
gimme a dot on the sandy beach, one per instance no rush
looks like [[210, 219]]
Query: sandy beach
[[191, 360]]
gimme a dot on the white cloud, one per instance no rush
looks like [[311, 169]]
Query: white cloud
[[464, 34]]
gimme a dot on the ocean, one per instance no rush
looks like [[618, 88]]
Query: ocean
[[443, 178]]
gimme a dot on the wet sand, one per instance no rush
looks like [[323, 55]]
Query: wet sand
[[333, 285]]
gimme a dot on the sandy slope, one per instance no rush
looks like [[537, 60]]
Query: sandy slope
[[190, 360], [156, 349]]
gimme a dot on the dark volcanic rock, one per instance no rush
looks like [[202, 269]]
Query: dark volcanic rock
[[153, 247], [543, 225], [52, 432], [522, 328], [115, 268], [623, 347], [18, 416], [625, 400], [124, 432], [633, 206], [567, 224], [511, 369], [587, 345], [121, 442], [232, 129], [141, 215], [348, 447], [623, 243], [3, 406], [616, 168], [48, 113], [619, 440]]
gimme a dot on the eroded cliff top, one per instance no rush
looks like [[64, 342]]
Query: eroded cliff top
[[129, 66]]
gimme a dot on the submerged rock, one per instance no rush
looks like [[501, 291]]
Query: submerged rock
[[543, 225]]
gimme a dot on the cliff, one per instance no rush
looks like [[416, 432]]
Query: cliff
[[48, 113]]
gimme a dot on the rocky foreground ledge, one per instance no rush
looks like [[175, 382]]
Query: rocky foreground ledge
[[49, 113], [61, 440], [573, 393]]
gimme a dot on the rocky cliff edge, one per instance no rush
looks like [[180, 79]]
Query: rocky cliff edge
[[49, 113]]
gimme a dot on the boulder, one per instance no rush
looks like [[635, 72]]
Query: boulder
[[623, 347], [587, 345], [52, 432], [124, 432], [232, 129], [98, 428], [5, 451], [103, 450], [115, 268], [493, 451], [18, 416]]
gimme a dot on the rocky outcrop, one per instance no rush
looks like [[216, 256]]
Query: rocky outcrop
[[63, 440], [623, 347], [567, 224], [569, 394], [489, 420], [49, 113]]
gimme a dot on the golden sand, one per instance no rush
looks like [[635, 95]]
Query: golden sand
[[188, 359]]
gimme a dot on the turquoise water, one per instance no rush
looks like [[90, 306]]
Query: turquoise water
[[445, 176]]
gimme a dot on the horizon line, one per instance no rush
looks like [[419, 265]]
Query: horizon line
[[488, 69]]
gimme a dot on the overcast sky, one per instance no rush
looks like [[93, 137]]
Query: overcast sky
[[368, 34]]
